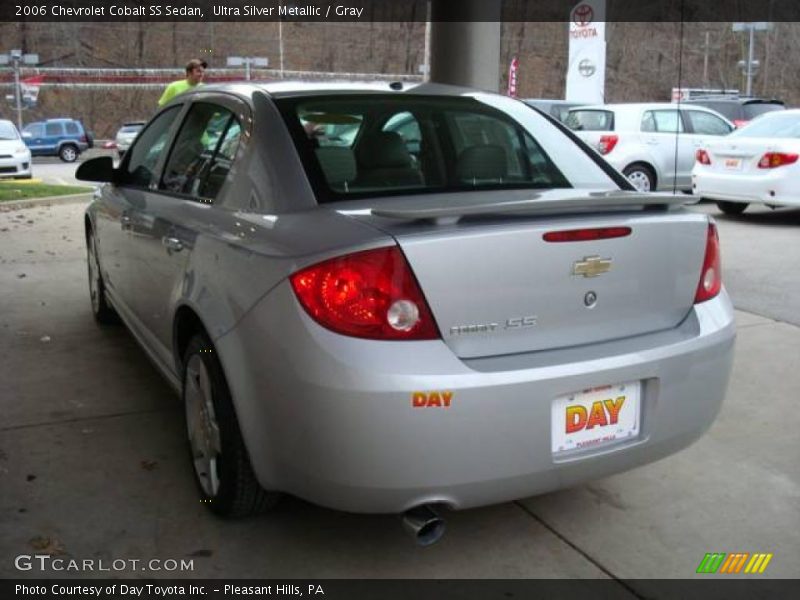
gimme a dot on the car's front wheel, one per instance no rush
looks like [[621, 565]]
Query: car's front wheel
[[732, 208], [641, 176], [68, 153], [221, 463]]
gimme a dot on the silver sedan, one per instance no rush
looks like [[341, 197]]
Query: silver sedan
[[385, 297]]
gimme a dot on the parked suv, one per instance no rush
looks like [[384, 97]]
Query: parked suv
[[65, 138], [652, 144], [739, 110]]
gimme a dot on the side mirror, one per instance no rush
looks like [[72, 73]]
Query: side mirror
[[99, 169]]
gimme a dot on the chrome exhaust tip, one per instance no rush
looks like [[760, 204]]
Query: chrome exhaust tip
[[424, 525]]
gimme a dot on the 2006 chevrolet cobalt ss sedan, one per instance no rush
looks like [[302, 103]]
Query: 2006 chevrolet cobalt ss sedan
[[383, 297]]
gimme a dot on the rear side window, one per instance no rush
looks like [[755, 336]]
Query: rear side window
[[202, 153], [590, 120], [730, 110], [375, 145], [751, 111], [72, 128], [707, 124], [53, 129]]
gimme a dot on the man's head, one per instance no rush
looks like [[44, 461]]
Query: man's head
[[196, 70]]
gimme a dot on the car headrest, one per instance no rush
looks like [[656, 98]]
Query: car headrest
[[338, 164], [483, 162], [383, 150]]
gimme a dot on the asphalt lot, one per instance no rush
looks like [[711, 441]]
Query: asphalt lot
[[93, 463]]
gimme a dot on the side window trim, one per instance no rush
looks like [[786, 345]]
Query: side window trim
[[240, 113], [181, 110]]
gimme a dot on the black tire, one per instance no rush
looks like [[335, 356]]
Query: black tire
[[641, 176], [68, 153], [732, 208], [237, 492], [101, 309]]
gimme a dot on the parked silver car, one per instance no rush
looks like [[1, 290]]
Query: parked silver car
[[126, 134], [498, 316], [652, 144]]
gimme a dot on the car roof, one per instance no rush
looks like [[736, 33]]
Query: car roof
[[739, 100], [284, 89]]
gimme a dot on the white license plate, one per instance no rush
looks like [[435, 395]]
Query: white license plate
[[733, 164], [596, 417]]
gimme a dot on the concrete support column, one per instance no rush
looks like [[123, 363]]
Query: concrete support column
[[466, 52]]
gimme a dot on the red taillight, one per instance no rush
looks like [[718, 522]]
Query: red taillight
[[772, 160], [607, 143], [711, 275], [586, 235], [701, 156], [371, 294], [739, 123]]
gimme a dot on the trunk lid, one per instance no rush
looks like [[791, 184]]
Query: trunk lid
[[495, 286]]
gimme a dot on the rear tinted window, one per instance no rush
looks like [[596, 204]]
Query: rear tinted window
[[383, 145], [751, 111], [131, 128], [72, 128], [53, 129], [590, 120]]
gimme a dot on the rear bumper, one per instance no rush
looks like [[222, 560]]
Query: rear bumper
[[767, 187], [330, 419]]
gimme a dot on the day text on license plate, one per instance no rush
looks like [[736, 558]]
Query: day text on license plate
[[733, 163], [596, 417]]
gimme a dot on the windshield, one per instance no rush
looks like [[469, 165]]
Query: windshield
[[377, 145], [8, 131], [781, 125]]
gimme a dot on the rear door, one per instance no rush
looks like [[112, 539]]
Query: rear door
[[663, 132]]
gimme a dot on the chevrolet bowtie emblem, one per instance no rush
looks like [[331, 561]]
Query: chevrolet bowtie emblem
[[591, 266]]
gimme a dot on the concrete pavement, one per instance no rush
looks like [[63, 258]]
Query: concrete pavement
[[93, 463]]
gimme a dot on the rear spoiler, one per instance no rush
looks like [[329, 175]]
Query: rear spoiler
[[593, 202]]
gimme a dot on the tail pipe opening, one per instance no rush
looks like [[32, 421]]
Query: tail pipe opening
[[424, 525]]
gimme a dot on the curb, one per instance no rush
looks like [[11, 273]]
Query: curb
[[9, 205]]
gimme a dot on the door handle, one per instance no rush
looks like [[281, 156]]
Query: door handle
[[172, 244]]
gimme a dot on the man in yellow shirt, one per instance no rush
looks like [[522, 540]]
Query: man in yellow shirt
[[195, 71]]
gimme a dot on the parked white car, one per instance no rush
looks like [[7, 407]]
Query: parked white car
[[652, 144], [15, 158], [755, 164], [126, 134]]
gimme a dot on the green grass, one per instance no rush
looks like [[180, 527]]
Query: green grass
[[22, 190]]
